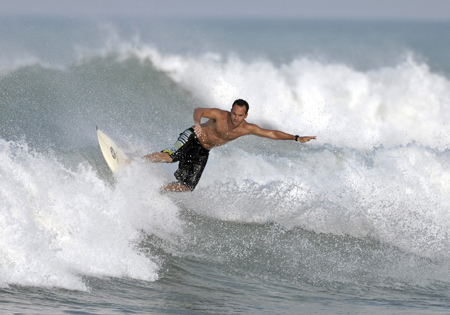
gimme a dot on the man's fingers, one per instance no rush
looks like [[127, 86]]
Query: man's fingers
[[197, 129], [306, 139]]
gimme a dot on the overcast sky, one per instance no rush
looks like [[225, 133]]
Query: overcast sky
[[309, 9]]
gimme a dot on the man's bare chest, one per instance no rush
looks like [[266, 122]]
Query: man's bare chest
[[226, 134]]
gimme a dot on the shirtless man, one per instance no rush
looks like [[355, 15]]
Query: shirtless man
[[193, 145]]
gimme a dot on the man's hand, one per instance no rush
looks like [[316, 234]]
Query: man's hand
[[197, 129], [306, 139]]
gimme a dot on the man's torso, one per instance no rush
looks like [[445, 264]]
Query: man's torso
[[217, 132]]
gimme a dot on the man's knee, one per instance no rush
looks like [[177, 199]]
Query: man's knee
[[167, 157]]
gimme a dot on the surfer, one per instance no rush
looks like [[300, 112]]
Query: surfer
[[192, 147]]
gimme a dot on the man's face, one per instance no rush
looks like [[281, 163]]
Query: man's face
[[238, 115]]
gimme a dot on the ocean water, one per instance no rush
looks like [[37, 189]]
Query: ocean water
[[356, 222]]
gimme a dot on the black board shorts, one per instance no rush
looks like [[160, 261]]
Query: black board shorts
[[192, 157]]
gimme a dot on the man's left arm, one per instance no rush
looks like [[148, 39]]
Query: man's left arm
[[277, 135]]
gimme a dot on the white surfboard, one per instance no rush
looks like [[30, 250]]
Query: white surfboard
[[114, 157]]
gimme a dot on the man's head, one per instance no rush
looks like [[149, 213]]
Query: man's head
[[239, 112], [241, 103]]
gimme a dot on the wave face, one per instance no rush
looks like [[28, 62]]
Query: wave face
[[364, 205]]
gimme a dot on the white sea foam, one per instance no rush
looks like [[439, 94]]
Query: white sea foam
[[390, 106], [57, 225], [397, 195]]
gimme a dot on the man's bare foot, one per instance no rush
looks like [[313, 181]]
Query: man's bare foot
[[175, 187]]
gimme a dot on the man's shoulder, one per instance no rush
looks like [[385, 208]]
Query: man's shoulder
[[248, 127], [219, 111], [252, 128]]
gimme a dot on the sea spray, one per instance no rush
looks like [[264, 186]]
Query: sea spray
[[58, 225], [396, 195]]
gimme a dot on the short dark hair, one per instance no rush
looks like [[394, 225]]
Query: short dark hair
[[241, 103]]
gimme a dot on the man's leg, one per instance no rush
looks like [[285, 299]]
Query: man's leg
[[159, 157], [164, 157]]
